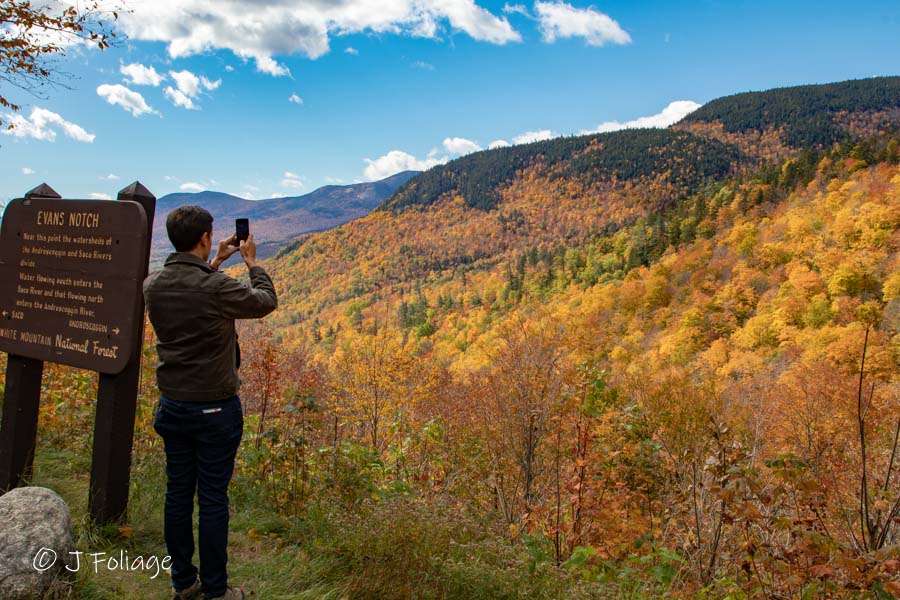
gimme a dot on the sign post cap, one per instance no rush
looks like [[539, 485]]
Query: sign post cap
[[42, 191], [135, 190]]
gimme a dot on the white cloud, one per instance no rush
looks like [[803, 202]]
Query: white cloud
[[188, 87], [292, 181], [110, 177], [562, 20], [421, 64], [119, 95], [533, 136], [100, 196], [262, 30], [191, 84], [459, 145], [229, 68], [396, 161], [42, 125], [516, 8], [210, 85], [139, 74], [191, 186], [27, 171], [351, 50], [672, 113], [334, 180], [250, 191], [267, 64], [179, 98], [295, 99]]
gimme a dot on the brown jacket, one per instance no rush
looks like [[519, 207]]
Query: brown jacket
[[192, 308]]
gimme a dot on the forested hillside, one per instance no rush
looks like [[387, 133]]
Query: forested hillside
[[808, 115], [684, 157], [564, 198], [677, 404], [677, 161], [636, 365], [659, 373]]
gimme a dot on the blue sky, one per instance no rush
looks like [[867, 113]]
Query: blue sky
[[388, 84]]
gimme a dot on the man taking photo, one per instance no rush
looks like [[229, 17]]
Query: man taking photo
[[192, 307]]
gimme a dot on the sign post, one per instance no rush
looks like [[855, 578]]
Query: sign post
[[117, 402], [21, 399], [75, 270]]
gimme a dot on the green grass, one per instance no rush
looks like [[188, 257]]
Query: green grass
[[268, 567], [392, 549]]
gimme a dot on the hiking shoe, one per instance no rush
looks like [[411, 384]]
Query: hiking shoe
[[188, 593], [231, 594]]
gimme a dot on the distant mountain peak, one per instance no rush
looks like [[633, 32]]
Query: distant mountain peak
[[276, 221]]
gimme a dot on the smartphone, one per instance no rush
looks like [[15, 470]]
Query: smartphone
[[242, 229]]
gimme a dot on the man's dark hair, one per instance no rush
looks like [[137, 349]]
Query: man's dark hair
[[186, 225]]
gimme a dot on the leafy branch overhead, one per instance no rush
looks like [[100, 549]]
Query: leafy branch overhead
[[34, 36]]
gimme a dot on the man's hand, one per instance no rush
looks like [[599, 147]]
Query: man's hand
[[248, 251], [227, 247]]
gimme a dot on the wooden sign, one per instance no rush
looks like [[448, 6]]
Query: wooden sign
[[71, 274], [72, 271]]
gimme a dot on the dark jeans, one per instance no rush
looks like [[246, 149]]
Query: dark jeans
[[201, 440]]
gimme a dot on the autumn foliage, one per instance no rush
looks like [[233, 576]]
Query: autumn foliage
[[696, 397]]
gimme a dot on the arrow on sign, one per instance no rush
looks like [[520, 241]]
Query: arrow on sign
[[116, 330]]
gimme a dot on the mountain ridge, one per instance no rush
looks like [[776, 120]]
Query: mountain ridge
[[808, 115], [558, 206], [275, 222]]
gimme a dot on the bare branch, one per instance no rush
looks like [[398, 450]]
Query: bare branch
[[34, 38]]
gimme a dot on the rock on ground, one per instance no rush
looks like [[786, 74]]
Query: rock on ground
[[35, 541]]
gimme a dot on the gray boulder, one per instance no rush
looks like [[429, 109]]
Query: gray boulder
[[35, 541]]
